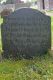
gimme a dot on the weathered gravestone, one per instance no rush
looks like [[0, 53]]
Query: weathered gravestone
[[26, 32]]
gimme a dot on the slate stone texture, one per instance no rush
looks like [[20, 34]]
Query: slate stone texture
[[26, 33]]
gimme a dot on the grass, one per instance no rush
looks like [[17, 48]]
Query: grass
[[40, 68], [49, 11], [1, 20], [52, 23]]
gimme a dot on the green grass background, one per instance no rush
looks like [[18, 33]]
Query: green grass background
[[40, 68]]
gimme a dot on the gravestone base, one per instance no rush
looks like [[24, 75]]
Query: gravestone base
[[24, 54]]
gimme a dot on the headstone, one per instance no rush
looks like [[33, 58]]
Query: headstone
[[26, 32]]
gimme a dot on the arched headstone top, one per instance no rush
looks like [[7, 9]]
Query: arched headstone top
[[26, 12]]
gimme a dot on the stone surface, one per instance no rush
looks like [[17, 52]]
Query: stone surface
[[26, 32]]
